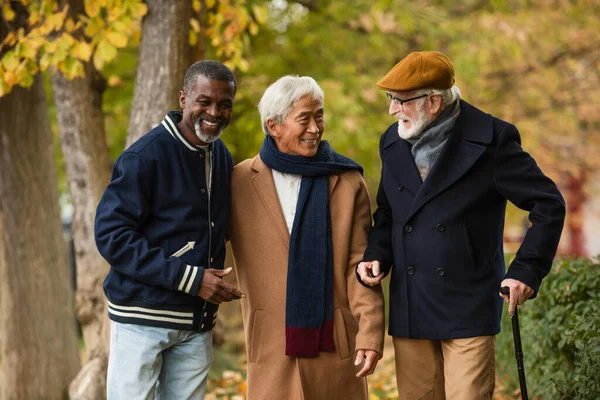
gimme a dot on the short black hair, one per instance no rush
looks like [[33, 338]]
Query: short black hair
[[210, 69]]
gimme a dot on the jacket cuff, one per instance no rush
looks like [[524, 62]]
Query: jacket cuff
[[191, 279], [521, 274], [378, 348]]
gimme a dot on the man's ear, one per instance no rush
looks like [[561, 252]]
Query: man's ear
[[273, 127], [435, 103], [181, 99]]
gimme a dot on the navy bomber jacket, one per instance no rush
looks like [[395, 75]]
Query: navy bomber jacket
[[159, 227]]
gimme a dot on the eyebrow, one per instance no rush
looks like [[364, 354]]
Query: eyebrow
[[305, 113]]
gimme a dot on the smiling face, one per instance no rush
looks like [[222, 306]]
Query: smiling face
[[206, 110], [302, 130]]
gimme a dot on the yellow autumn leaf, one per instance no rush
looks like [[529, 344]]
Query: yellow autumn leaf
[[10, 78], [8, 12], [141, 10], [25, 78], [34, 18], [50, 47], [98, 62], [70, 25], [114, 80], [117, 39], [92, 8], [106, 51], [260, 14], [83, 51], [54, 22], [196, 5], [243, 64], [4, 88], [253, 28], [10, 61], [44, 61], [209, 3], [26, 50], [193, 38], [67, 40], [195, 24], [10, 39]]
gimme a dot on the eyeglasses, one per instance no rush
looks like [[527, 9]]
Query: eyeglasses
[[396, 100]]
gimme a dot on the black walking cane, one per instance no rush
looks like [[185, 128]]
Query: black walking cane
[[518, 349]]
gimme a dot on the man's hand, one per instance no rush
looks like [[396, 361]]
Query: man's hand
[[370, 272], [370, 358], [519, 293], [215, 289]]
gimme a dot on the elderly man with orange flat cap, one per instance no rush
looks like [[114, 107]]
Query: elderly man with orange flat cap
[[448, 170]]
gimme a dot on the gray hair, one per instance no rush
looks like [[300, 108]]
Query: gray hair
[[210, 69], [448, 96], [279, 98]]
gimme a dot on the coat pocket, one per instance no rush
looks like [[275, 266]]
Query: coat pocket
[[341, 333], [470, 246], [255, 335]]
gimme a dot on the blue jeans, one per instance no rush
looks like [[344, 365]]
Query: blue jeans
[[157, 363]]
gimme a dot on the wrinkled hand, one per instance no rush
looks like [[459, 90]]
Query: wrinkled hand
[[370, 358], [370, 272], [519, 293], [215, 289]]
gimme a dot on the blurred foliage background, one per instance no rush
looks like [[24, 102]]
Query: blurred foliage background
[[534, 63]]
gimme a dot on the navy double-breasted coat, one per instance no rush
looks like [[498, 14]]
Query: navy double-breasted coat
[[443, 236]]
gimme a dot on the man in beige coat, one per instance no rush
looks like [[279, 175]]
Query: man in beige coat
[[299, 224]]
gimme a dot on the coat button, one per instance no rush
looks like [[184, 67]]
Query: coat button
[[441, 271], [441, 227], [201, 155], [408, 228], [203, 190], [400, 187], [410, 270]]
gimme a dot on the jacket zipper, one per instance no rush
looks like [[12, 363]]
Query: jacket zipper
[[210, 163]]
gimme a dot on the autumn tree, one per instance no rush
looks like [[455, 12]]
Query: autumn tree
[[37, 324], [75, 40]]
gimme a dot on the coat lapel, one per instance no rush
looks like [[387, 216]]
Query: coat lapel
[[396, 153], [460, 153], [265, 187]]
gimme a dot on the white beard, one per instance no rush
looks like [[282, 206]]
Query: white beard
[[416, 127], [206, 138]]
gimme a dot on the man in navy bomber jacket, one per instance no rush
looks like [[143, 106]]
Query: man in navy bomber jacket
[[161, 225]]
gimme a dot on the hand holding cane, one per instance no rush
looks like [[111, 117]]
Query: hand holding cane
[[518, 349]]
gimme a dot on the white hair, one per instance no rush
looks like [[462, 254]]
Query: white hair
[[279, 98], [448, 96]]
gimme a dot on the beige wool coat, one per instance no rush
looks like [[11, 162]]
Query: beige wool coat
[[260, 241]]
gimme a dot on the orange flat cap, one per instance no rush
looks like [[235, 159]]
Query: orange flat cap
[[419, 70]]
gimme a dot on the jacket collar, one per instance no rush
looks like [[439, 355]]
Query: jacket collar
[[170, 123], [473, 130]]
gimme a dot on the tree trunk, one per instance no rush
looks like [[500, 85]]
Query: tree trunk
[[38, 351], [164, 57], [81, 126], [83, 143], [575, 200]]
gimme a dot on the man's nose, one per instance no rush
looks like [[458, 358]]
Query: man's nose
[[212, 110], [313, 127], [394, 108]]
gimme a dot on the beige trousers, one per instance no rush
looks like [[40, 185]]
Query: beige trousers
[[453, 369]]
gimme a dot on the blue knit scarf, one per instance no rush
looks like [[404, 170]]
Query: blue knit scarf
[[309, 296]]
